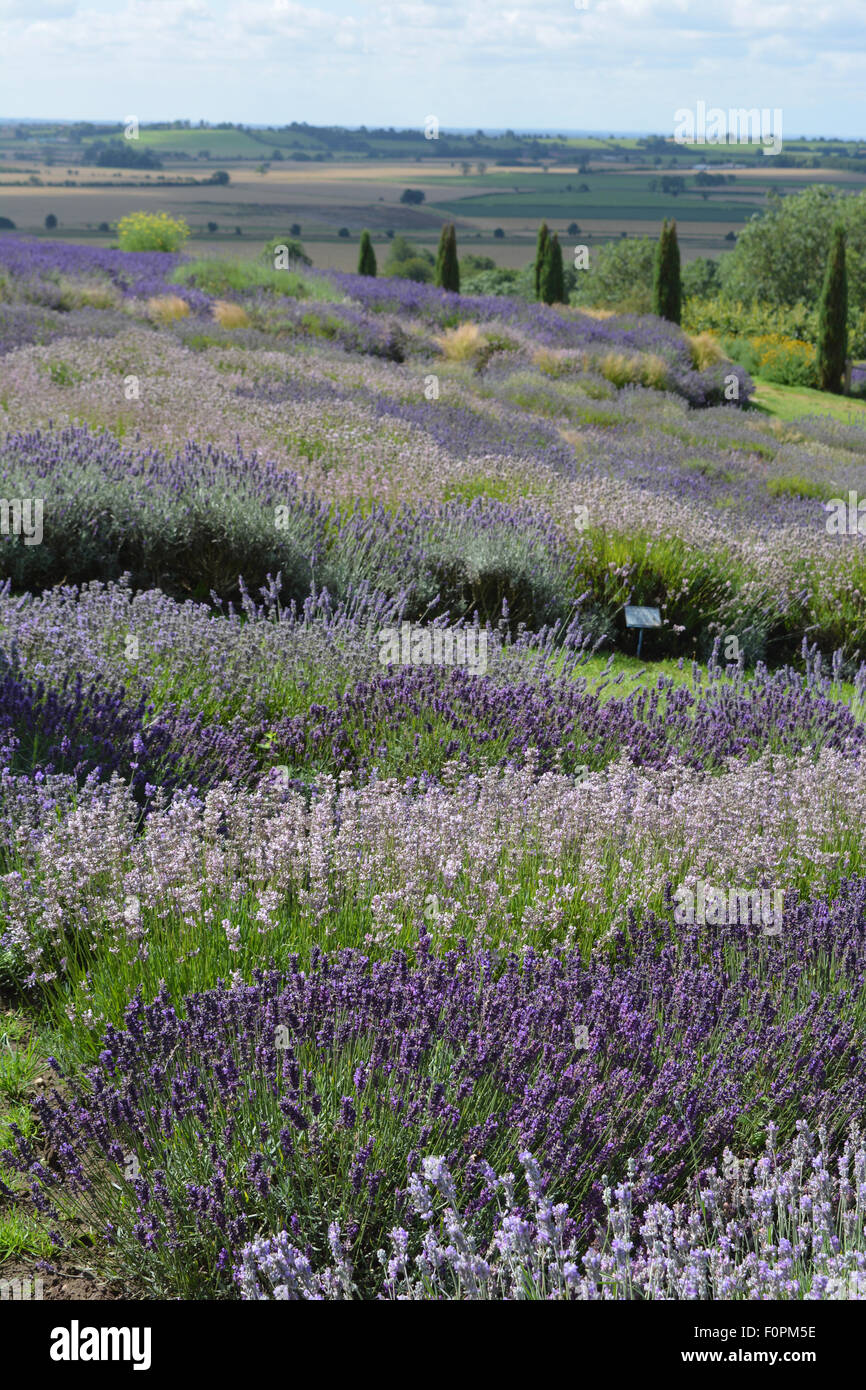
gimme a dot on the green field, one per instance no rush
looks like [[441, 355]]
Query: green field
[[326, 180], [793, 402]]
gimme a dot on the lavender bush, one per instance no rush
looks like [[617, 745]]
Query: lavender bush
[[771, 1229], [313, 1088]]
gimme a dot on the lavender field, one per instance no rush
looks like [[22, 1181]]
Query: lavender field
[[373, 924]]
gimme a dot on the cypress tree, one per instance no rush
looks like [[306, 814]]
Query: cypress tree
[[366, 256], [540, 248], [447, 275], [667, 287], [552, 286], [833, 317], [440, 252]]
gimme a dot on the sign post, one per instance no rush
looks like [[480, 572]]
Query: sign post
[[642, 618]]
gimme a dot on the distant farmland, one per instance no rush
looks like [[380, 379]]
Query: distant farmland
[[497, 209]]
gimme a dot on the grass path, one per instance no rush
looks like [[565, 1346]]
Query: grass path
[[793, 402]]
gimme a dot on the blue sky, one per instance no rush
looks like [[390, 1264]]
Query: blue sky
[[609, 65]]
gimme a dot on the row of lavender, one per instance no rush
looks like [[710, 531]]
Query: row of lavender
[[44, 274], [193, 521], [99, 680], [306, 1102]]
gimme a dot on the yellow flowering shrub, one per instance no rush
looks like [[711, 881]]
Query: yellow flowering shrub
[[151, 231]]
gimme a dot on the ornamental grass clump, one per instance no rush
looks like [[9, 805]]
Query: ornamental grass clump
[[462, 343], [229, 315], [705, 350], [167, 308]]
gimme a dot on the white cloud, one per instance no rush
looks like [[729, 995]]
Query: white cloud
[[623, 64], [26, 10]]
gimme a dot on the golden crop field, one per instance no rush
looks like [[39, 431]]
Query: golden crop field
[[261, 201]]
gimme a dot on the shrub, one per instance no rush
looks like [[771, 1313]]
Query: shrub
[[786, 360], [796, 486], [409, 262], [415, 268], [151, 231], [288, 247], [737, 319], [499, 281], [219, 278], [190, 522], [690, 1250], [460, 559]]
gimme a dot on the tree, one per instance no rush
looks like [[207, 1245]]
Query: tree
[[213, 226], [833, 317], [366, 256], [51, 222], [498, 233], [447, 275], [412, 195], [285, 253], [219, 177], [780, 256], [573, 229], [408, 261], [471, 264], [700, 278], [540, 248], [552, 288], [667, 286]]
